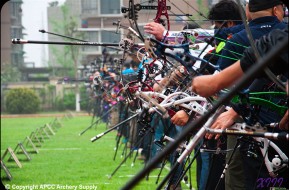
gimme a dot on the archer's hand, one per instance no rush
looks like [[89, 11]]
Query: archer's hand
[[180, 118], [158, 87], [225, 120], [155, 29]]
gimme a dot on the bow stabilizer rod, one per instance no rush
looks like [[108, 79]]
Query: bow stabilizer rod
[[21, 41]]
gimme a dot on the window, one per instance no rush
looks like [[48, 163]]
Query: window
[[89, 6], [109, 6], [110, 37], [16, 32], [17, 59], [91, 36], [15, 8]]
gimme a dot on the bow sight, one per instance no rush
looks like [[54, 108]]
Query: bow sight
[[138, 7]]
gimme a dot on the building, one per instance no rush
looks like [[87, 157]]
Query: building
[[96, 18], [11, 27], [5, 34]]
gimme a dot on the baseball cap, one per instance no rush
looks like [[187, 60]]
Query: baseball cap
[[259, 5]]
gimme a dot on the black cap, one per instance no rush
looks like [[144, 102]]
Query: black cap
[[259, 5]]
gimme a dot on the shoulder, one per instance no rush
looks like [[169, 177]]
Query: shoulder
[[239, 39], [237, 28], [280, 25], [223, 33]]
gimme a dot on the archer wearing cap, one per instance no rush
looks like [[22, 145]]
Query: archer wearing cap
[[256, 6], [259, 5]]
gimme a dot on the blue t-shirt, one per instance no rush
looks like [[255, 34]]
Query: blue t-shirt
[[128, 71]]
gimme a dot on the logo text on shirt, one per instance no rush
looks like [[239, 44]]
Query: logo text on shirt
[[266, 26]]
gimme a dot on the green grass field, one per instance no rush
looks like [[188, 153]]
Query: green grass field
[[67, 160]]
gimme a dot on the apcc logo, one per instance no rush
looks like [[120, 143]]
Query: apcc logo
[[47, 186]]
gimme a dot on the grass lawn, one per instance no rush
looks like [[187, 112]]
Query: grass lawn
[[68, 160]]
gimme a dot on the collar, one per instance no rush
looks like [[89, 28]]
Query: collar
[[264, 19]]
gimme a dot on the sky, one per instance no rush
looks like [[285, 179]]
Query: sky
[[34, 18]]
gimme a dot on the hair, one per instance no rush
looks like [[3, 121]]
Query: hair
[[225, 10]]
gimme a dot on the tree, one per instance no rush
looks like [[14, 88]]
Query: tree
[[22, 100], [9, 73], [69, 56]]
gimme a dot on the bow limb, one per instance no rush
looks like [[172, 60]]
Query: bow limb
[[162, 11]]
